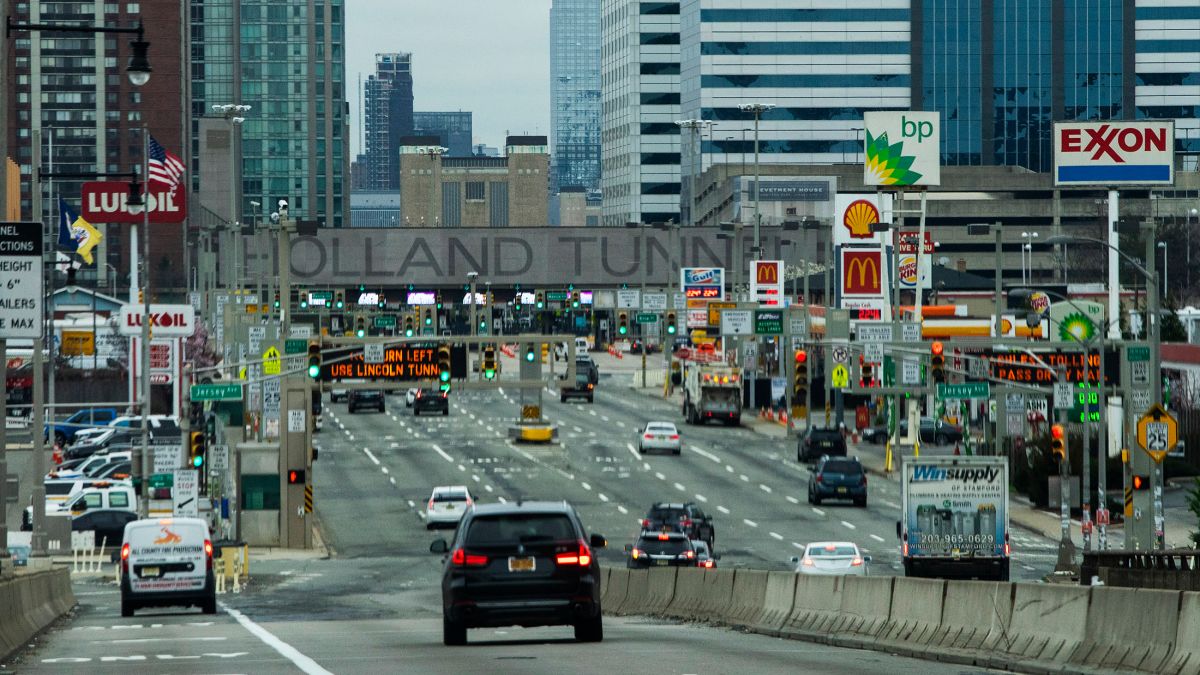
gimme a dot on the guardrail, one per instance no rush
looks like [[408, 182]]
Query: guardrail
[[1173, 570], [1008, 626]]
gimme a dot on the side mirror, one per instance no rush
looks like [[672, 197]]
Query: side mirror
[[439, 546], [898, 534], [795, 560], [629, 548], [598, 541]]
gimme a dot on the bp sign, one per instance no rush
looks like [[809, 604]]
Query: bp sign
[[903, 148], [1077, 321]]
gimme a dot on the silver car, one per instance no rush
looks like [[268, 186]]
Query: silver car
[[832, 557], [447, 505], [659, 436]]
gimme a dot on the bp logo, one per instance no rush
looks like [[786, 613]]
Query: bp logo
[[887, 162], [1076, 326]]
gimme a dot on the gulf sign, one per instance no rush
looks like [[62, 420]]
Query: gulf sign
[[105, 202], [1114, 153], [703, 283]]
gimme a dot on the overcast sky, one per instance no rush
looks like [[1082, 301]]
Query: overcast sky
[[491, 57]]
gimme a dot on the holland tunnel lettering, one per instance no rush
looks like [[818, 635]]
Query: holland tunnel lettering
[[525, 255], [399, 363]]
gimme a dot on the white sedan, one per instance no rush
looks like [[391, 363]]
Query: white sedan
[[447, 505], [832, 557], [659, 436], [410, 396]]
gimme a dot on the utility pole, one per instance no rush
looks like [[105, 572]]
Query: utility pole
[[758, 109], [472, 276], [1066, 547], [1154, 334], [144, 452]]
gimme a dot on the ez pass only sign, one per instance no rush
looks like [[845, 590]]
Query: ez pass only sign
[[1114, 153]]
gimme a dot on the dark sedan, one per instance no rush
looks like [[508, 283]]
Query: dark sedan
[[838, 478]]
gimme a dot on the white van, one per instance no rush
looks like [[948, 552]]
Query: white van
[[167, 562]]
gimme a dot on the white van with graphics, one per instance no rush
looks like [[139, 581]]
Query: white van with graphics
[[167, 562]]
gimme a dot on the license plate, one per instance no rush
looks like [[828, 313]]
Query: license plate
[[826, 444], [449, 507], [149, 572], [520, 565], [660, 562], [841, 491]]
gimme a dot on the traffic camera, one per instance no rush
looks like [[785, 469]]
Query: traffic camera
[[672, 326], [443, 356], [489, 362], [1058, 442], [937, 362], [623, 323], [314, 359], [196, 449]]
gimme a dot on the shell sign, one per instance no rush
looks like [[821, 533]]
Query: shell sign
[[859, 217], [854, 214]]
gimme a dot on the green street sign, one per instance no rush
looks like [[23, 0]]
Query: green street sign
[[1135, 354], [294, 347], [385, 321], [964, 390], [557, 296], [647, 317], [162, 480], [216, 392], [768, 322]]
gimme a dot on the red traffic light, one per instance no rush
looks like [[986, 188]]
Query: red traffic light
[[1057, 432], [936, 348], [801, 356], [295, 476], [1141, 482]]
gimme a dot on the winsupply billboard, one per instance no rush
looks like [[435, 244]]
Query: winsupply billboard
[[854, 214], [955, 510], [1114, 153], [903, 148]]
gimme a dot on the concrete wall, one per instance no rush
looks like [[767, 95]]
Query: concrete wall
[[29, 602]]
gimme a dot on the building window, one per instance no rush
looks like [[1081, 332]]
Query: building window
[[475, 191], [659, 68], [659, 38], [260, 492], [660, 98]]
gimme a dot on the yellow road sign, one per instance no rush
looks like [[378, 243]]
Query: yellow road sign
[[839, 377], [271, 362], [1157, 432]]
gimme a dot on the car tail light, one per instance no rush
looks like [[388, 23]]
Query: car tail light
[[686, 522], [651, 436], [645, 522], [689, 555], [820, 478], [1007, 547], [706, 563], [674, 437], [208, 553], [430, 507], [469, 502], [857, 562], [635, 553], [418, 395], [464, 559], [664, 536], [125, 559], [582, 557], [807, 562], [905, 547]]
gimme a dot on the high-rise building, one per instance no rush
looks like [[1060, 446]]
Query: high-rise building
[[575, 93], [285, 59], [640, 105], [388, 115], [73, 88], [453, 128]]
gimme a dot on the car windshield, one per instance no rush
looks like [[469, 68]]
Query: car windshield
[[831, 551], [661, 428], [843, 466], [59, 488], [667, 513], [664, 546], [826, 435], [523, 528], [450, 497]]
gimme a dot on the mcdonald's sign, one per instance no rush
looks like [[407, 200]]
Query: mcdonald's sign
[[767, 281], [862, 272]]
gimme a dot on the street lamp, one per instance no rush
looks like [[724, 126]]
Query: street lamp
[[758, 109], [1191, 214], [1166, 287], [1027, 246], [696, 150], [235, 115]]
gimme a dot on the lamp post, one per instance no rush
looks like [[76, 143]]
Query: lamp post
[[235, 115], [1191, 214], [643, 258], [1166, 285], [696, 149], [1027, 245], [758, 109]]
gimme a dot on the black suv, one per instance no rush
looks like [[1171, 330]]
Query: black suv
[[658, 549], [523, 564], [584, 388], [819, 441], [365, 398], [838, 478], [428, 399], [686, 518]]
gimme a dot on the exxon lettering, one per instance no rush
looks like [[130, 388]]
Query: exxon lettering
[[1105, 141]]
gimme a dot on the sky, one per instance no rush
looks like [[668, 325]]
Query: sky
[[491, 57]]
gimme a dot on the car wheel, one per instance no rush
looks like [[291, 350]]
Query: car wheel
[[641, 450], [590, 630], [591, 400], [562, 399], [453, 633], [939, 440], [210, 604], [816, 499], [445, 411], [861, 503], [677, 451], [810, 496], [127, 606]]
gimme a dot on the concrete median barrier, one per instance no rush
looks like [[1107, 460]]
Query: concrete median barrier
[[975, 615], [689, 593], [660, 589], [1048, 622], [781, 597], [29, 603], [816, 605], [718, 593], [916, 612], [748, 598], [1186, 657], [866, 606], [635, 593], [616, 590], [1129, 629]]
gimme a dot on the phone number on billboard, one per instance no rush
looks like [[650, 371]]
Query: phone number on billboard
[[947, 539]]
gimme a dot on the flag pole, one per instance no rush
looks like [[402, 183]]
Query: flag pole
[[143, 491]]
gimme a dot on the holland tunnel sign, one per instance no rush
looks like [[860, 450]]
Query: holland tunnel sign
[[525, 255]]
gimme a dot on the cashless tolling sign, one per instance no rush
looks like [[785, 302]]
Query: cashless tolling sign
[[399, 363]]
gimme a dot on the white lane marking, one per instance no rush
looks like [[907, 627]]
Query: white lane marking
[[578, 430], [392, 480], [371, 457], [701, 498], [792, 499], [888, 504], [620, 424], [817, 511], [749, 522], [659, 476], [475, 477], [564, 474], [797, 545], [502, 500], [602, 417], [744, 477], [622, 509], [679, 486], [350, 435], [724, 510], [411, 504], [461, 467], [592, 413], [646, 466], [705, 454], [442, 452], [383, 469], [501, 391], [877, 537], [304, 663], [586, 486], [163, 639], [602, 497], [764, 488], [776, 535], [488, 488], [729, 468], [850, 525]]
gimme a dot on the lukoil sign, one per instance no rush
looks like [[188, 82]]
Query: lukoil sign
[[107, 202], [1114, 153], [165, 320], [903, 148]]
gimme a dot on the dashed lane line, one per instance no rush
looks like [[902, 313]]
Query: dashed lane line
[[749, 523], [371, 456], [705, 454], [586, 485], [792, 499], [765, 488], [702, 498], [679, 486], [622, 509], [849, 525], [817, 511], [776, 535], [632, 450], [724, 510], [443, 453], [877, 537]]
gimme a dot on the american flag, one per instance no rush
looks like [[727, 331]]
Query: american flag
[[164, 167]]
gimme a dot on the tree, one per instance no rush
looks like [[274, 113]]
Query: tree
[[1172, 327], [198, 351]]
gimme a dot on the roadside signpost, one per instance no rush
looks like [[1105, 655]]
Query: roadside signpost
[[1157, 432]]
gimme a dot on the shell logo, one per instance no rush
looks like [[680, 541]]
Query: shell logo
[[858, 218]]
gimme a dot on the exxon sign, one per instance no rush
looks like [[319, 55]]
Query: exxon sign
[[1114, 153]]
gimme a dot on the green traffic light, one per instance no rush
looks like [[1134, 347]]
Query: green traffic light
[[489, 374], [314, 371], [198, 461], [671, 329], [529, 356], [541, 305], [428, 321], [445, 376], [408, 332], [340, 304], [361, 333], [445, 386], [303, 304], [623, 330]]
